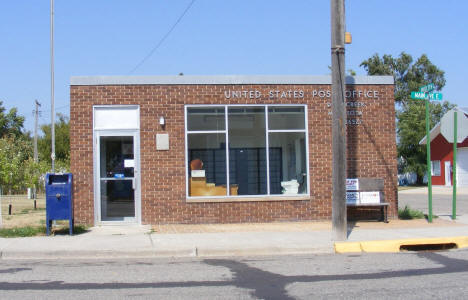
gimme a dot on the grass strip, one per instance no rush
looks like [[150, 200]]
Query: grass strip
[[28, 231], [22, 231], [408, 214]]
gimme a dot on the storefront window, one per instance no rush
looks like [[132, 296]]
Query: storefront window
[[286, 117], [207, 164], [247, 155], [288, 173], [205, 118], [232, 152]]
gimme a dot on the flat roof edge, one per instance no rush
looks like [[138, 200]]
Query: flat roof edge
[[224, 79]]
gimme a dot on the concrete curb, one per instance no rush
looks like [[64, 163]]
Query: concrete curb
[[162, 253], [71, 254], [263, 251], [204, 251], [98, 254], [394, 245]]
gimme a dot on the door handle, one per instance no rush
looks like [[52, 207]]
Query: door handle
[[134, 183]]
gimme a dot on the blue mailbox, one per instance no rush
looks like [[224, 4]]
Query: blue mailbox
[[59, 199]]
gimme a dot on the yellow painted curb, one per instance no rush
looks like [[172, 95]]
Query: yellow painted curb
[[394, 245], [347, 247]]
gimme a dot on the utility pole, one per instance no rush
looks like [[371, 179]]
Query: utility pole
[[52, 100], [339, 223]]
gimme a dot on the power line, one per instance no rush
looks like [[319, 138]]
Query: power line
[[62, 107], [163, 38], [47, 114]]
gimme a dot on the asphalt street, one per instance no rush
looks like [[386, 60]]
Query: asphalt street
[[365, 276], [441, 200]]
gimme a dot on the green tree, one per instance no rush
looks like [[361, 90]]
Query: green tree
[[411, 122], [10, 123], [408, 76], [14, 152], [34, 172], [62, 143]]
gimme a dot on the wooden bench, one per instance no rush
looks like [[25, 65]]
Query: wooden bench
[[372, 185]]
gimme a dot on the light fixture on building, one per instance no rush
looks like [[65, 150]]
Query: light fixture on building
[[162, 121]]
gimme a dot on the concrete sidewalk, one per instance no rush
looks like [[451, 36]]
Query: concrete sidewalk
[[217, 239], [436, 189]]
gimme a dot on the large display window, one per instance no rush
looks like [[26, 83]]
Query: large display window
[[246, 150]]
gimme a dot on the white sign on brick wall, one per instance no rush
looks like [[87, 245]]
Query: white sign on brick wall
[[352, 184], [370, 197], [352, 197]]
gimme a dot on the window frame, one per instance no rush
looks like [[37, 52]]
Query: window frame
[[433, 173], [239, 198]]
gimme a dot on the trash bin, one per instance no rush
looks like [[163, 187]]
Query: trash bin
[[59, 199]]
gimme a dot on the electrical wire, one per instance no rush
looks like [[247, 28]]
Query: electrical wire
[[62, 107], [47, 113], [161, 41]]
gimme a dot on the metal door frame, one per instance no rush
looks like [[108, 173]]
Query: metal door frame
[[97, 180]]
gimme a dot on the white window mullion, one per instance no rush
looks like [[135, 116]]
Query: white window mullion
[[186, 154], [267, 150], [306, 124], [228, 186], [206, 131]]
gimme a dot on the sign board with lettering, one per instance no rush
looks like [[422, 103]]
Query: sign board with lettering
[[352, 184], [426, 93], [426, 96], [427, 88], [435, 96], [297, 94], [418, 96], [369, 197], [352, 197]]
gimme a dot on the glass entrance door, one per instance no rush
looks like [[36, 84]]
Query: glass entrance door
[[117, 169]]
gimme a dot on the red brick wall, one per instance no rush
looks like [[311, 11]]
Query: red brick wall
[[371, 151]]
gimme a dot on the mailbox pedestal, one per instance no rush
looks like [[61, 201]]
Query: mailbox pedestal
[[59, 199]]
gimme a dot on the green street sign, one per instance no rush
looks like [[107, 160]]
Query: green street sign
[[418, 95], [426, 96], [427, 88], [435, 96]]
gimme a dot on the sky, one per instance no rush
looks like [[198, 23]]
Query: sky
[[242, 37]]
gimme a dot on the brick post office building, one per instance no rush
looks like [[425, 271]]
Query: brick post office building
[[222, 149]]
